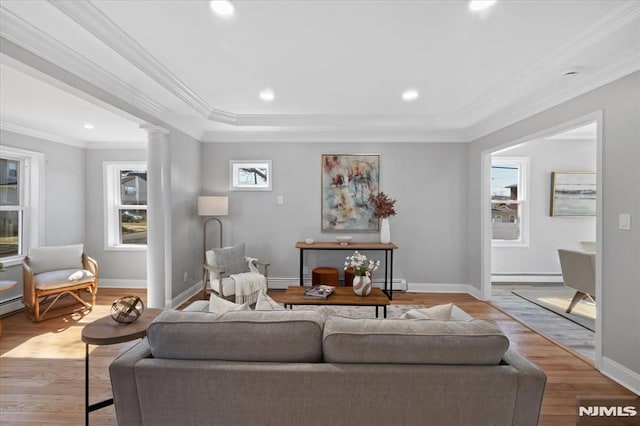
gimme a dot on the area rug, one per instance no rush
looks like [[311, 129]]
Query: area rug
[[557, 300], [393, 311]]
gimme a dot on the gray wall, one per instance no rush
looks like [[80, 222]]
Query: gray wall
[[619, 102], [114, 264], [64, 196], [547, 233], [428, 180], [186, 255]]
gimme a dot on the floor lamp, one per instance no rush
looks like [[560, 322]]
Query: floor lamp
[[211, 207]]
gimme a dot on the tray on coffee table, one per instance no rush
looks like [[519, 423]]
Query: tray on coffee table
[[294, 295]]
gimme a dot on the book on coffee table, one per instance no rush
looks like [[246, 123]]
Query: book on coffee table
[[319, 291]]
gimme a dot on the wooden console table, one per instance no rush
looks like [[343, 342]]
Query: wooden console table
[[388, 249]]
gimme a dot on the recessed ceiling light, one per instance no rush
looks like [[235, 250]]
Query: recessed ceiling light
[[410, 95], [477, 5], [267, 95], [89, 126], [222, 8]]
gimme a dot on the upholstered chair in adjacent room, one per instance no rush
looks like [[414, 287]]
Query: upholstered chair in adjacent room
[[49, 273], [578, 273]]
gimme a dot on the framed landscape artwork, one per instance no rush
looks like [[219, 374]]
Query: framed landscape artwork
[[348, 182], [573, 194], [250, 175]]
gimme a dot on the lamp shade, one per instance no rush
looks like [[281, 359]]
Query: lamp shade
[[213, 206]]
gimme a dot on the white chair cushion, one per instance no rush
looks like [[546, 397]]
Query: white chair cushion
[[45, 259], [61, 278], [228, 285]]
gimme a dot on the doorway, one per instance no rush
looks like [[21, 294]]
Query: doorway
[[520, 235]]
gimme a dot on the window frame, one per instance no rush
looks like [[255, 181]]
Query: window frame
[[522, 201], [30, 200], [113, 205]]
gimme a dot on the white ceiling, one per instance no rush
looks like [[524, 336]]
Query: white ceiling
[[338, 69]]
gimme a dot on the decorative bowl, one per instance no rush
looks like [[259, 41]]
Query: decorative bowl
[[344, 240]]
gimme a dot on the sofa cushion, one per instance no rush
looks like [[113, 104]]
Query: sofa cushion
[[447, 312], [267, 336], [45, 259], [398, 341]]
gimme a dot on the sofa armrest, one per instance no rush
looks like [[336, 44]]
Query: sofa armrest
[[123, 384], [531, 383]]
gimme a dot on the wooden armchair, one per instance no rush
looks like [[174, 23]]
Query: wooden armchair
[[49, 273]]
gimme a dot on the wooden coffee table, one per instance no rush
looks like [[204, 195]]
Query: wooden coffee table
[[343, 296]]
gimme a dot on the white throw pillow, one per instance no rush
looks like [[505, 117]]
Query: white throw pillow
[[218, 305], [231, 259], [266, 303], [46, 259], [446, 312]]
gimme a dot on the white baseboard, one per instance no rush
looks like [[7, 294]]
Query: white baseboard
[[185, 295], [444, 288], [526, 278], [11, 305], [121, 283], [621, 374]]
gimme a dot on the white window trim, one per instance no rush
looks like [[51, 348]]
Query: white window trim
[[523, 202], [32, 199], [111, 187]]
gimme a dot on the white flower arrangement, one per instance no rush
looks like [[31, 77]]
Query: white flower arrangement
[[360, 264]]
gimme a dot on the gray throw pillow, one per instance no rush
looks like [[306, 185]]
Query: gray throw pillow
[[231, 259]]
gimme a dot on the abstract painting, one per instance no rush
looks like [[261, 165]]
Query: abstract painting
[[573, 194], [348, 182]]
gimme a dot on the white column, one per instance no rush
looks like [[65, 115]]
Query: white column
[[158, 216]]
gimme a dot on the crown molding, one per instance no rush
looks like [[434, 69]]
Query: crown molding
[[615, 19], [92, 19], [458, 125], [324, 135], [27, 130], [628, 63], [116, 145], [32, 39]]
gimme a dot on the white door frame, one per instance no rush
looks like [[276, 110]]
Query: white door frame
[[485, 213]]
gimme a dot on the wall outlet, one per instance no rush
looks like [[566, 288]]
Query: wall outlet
[[280, 199], [186, 277], [305, 270]]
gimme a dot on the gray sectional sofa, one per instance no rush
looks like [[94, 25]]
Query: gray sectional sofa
[[297, 368]]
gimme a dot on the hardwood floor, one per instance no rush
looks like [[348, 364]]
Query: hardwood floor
[[42, 365]]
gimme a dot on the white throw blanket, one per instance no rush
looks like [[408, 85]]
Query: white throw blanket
[[248, 286]]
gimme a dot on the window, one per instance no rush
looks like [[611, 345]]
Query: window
[[126, 189], [20, 172], [508, 207]]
